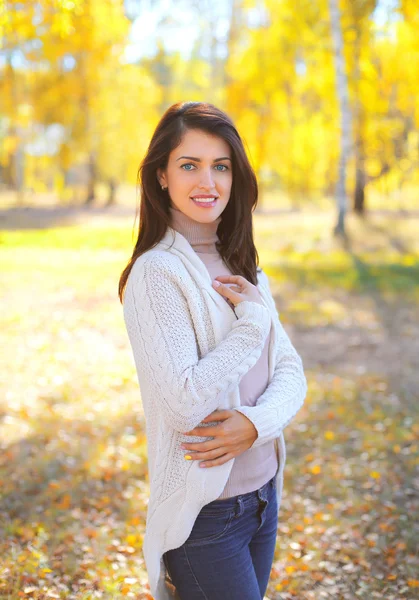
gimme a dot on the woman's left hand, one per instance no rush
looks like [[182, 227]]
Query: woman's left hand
[[232, 437]]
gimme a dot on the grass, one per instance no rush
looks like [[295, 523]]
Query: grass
[[73, 461]]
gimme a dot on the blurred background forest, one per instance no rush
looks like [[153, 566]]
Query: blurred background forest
[[84, 82], [325, 96]]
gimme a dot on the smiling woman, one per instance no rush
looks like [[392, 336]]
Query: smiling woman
[[183, 161], [205, 181], [219, 376]]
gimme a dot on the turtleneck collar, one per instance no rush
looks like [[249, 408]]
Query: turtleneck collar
[[201, 236]]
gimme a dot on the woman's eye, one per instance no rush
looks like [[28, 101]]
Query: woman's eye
[[223, 167]]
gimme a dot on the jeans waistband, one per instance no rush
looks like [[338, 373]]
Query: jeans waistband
[[248, 497]]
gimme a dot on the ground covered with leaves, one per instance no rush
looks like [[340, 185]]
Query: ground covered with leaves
[[73, 460]]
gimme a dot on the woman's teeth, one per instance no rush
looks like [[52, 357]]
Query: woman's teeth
[[205, 201]]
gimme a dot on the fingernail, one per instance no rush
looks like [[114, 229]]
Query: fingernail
[[188, 457], [216, 283]]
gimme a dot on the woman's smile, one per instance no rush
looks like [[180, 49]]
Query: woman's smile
[[204, 182], [204, 202]]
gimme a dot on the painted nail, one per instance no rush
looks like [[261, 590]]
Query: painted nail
[[188, 457]]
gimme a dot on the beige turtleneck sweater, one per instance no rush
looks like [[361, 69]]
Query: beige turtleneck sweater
[[254, 467]]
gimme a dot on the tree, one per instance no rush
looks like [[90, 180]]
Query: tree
[[345, 115]]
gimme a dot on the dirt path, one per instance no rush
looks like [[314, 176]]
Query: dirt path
[[385, 342]]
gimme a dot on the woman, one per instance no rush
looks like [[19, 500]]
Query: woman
[[218, 375]]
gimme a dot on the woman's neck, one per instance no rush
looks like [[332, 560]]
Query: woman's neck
[[201, 236]]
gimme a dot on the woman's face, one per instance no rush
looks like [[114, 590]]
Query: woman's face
[[200, 166]]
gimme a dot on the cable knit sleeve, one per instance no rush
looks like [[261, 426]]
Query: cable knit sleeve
[[163, 339], [286, 392]]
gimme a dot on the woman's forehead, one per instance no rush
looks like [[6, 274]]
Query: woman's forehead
[[200, 144]]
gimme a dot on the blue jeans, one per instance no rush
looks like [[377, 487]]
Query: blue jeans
[[230, 550]]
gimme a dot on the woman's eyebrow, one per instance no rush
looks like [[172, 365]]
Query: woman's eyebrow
[[199, 160]]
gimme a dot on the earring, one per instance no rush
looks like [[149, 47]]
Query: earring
[[163, 188]]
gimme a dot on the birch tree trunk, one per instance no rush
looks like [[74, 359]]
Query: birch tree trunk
[[345, 115], [359, 132]]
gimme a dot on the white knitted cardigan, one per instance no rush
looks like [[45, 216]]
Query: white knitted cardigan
[[191, 349]]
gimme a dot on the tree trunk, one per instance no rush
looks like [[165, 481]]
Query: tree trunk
[[345, 115], [91, 182], [359, 120], [111, 189], [359, 195], [16, 158]]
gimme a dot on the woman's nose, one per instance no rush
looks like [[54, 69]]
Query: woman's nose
[[206, 179]]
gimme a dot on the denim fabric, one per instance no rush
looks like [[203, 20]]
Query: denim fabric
[[230, 550]]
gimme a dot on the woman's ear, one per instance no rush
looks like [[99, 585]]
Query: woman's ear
[[161, 178]]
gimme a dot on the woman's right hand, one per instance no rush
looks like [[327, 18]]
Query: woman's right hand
[[240, 291]]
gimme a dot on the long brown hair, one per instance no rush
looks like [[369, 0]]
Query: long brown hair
[[235, 231]]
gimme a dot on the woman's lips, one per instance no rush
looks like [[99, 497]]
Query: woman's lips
[[205, 204]]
